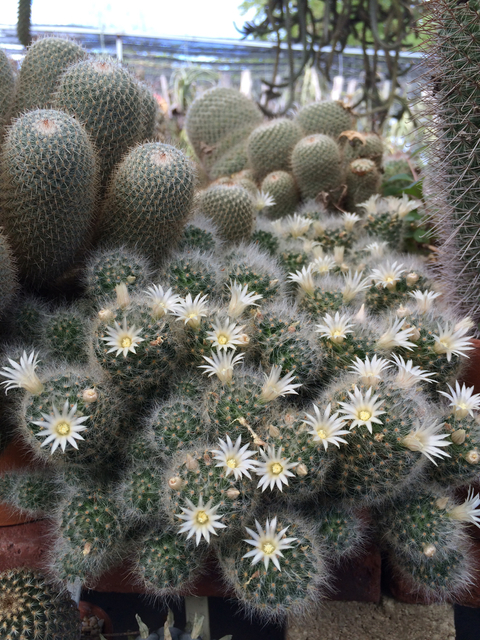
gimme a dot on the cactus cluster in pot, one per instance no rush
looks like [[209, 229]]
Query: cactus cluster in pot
[[253, 372]]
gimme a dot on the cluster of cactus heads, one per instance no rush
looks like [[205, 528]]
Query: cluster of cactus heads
[[244, 371]]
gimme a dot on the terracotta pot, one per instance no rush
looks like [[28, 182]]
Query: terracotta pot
[[14, 457], [88, 610]]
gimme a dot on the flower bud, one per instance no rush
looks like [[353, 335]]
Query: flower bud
[[458, 436], [175, 483], [412, 278], [90, 395]]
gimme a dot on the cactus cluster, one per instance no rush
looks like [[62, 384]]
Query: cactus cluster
[[250, 396]]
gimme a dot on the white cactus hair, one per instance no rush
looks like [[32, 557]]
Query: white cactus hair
[[205, 224]]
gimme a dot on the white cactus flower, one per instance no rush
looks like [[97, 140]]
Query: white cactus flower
[[123, 339], [405, 205], [322, 265], [462, 399], [335, 328], [354, 284], [468, 511], [327, 428], [268, 544], [376, 249], [304, 279], [349, 220], [234, 458], [192, 311], [221, 364], [225, 335], [274, 469], [452, 342], [427, 441], [22, 375], [263, 200], [409, 375], [396, 336], [373, 205], [424, 299], [387, 276], [61, 428], [162, 302], [369, 371], [274, 386], [200, 520], [240, 299], [363, 410]]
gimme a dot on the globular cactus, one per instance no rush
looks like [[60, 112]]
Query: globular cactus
[[270, 146], [49, 189], [139, 492], [66, 335], [8, 275], [7, 89], [316, 165], [105, 98], [192, 272], [176, 424], [34, 493], [363, 180], [247, 266], [281, 186], [33, 607], [330, 118], [149, 109], [231, 209], [46, 60], [358, 145], [218, 125], [199, 234], [148, 201]]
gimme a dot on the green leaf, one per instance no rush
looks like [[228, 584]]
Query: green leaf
[[400, 176], [421, 235], [415, 189], [142, 627]]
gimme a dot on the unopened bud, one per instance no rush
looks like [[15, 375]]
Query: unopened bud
[[233, 494], [442, 502], [244, 339], [90, 395], [403, 312], [318, 228], [273, 431], [123, 297], [338, 253], [344, 268], [415, 335], [379, 437], [175, 483], [131, 279], [191, 463], [87, 548], [105, 315], [301, 470], [458, 436], [429, 550], [472, 457], [412, 278], [292, 328]]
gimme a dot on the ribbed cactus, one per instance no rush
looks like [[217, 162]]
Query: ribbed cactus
[[270, 146], [281, 186], [7, 89], [32, 607], [49, 191], [330, 118], [316, 164], [149, 200], [231, 209]]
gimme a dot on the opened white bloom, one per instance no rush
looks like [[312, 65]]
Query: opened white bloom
[[373, 205], [240, 299], [368, 370], [191, 311], [295, 225], [361, 314], [409, 375], [405, 205], [354, 284], [467, 323], [391, 204], [338, 254], [263, 200], [22, 375], [201, 520], [322, 265], [452, 341], [268, 544], [234, 458], [377, 249], [221, 364], [225, 335], [304, 279], [61, 428], [274, 469], [312, 245], [326, 428], [387, 276], [335, 328], [363, 410], [396, 336], [424, 299], [349, 220], [427, 441], [467, 511], [162, 302], [462, 400], [123, 297], [274, 386], [123, 339]]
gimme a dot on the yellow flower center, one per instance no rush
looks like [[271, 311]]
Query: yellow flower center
[[337, 333], [202, 517], [126, 342], [365, 415], [232, 463], [63, 428], [192, 315], [222, 339], [389, 279], [268, 548], [276, 468], [321, 433], [444, 343], [462, 405]]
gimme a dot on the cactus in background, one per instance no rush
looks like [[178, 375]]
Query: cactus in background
[[363, 181], [106, 99], [8, 275], [35, 493], [49, 189], [281, 186], [149, 109], [66, 335], [7, 90], [451, 183], [24, 22], [231, 209], [148, 201], [32, 607], [369, 145], [270, 146], [316, 164], [46, 60], [218, 125], [329, 118]]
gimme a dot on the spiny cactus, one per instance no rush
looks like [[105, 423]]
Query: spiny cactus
[[281, 186], [316, 165], [231, 209], [363, 181], [32, 607], [270, 146], [149, 200], [49, 190], [7, 88], [330, 118]]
